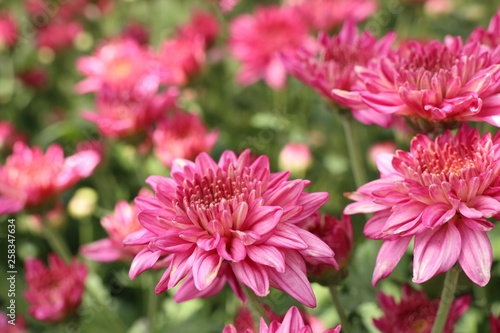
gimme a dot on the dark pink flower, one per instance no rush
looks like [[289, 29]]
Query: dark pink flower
[[415, 313], [58, 35], [439, 82], [8, 30], [137, 32], [35, 77], [332, 66], [232, 221], [31, 178], [182, 135], [258, 40], [494, 323], [54, 292], [441, 193], [202, 25]]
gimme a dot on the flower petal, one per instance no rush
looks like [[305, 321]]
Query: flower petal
[[205, 269], [388, 257], [252, 275], [476, 255]]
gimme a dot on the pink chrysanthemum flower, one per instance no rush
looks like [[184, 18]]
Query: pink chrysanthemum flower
[[8, 30], [54, 292], [494, 323], [12, 322], [29, 178], [234, 221], [58, 35], [291, 323], [118, 225], [332, 64], [439, 82], [201, 25], [258, 40], [415, 313], [440, 193], [489, 37], [325, 15], [182, 135]]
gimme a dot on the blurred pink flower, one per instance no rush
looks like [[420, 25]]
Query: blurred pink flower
[[9, 136], [489, 37], [120, 65], [137, 32], [35, 77], [441, 193], [332, 66], [258, 40], [8, 30], [325, 15], [120, 115], [201, 25], [182, 135], [494, 323], [295, 157], [291, 323], [233, 222], [19, 324], [439, 82], [118, 225], [31, 178], [54, 292], [415, 313], [386, 147], [227, 6], [58, 35]]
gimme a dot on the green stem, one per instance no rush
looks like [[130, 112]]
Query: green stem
[[353, 147], [346, 327], [55, 240], [256, 306], [85, 230], [149, 281], [447, 296], [110, 316]]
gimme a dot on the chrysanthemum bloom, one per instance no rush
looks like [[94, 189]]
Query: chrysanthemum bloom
[[182, 135], [120, 116], [29, 178], [118, 225], [120, 65], [415, 313], [436, 84], [8, 30], [54, 292], [291, 323], [489, 37], [58, 35], [295, 157], [441, 193], [338, 235], [325, 15], [12, 321], [9, 136], [332, 64], [494, 323], [258, 40], [201, 25], [234, 221]]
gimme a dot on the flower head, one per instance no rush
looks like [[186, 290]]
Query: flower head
[[201, 25], [438, 83], [295, 157], [31, 178], [232, 221], [8, 30], [441, 193], [488, 37], [54, 292], [258, 40], [12, 322], [58, 35], [415, 313], [35, 77]]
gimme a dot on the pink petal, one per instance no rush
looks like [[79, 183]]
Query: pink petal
[[374, 226], [435, 215], [205, 269], [293, 321], [103, 250], [267, 255], [476, 255], [317, 251], [388, 257], [253, 276], [285, 236], [144, 260]]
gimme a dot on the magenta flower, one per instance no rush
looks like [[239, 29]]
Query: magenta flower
[[58, 35], [441, 193], [118, 225], [202, 25], [54, 292], [494, 323], [441, 82], [182, 135], [258, 40], [332, 66], [30, 178], [8, 30], [12, 322], [233, 222], [416, 313], [291, 323], [489, 37]]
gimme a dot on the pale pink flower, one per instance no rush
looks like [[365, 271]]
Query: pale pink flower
[[332, 66], [415, 313], [291, 323], [118, 225], [257, 41], [121, 65], [120, 115], [12, 321], [494, 323], [325, 15], [182, 135], [8, 30], [436, 84], [227, 6], [29, 178], [385, 147], [54, 292], [233, 222], [441, 194], [295, 157]]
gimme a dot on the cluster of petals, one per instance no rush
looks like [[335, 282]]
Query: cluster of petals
[[257, 40], [182, 135], [441, 194], [415, 312], [8, 30], [325, 15], [29, 178], [122, 222], [233, 221], [54, 292], [438, 81], [291, 323], [331, 65]]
